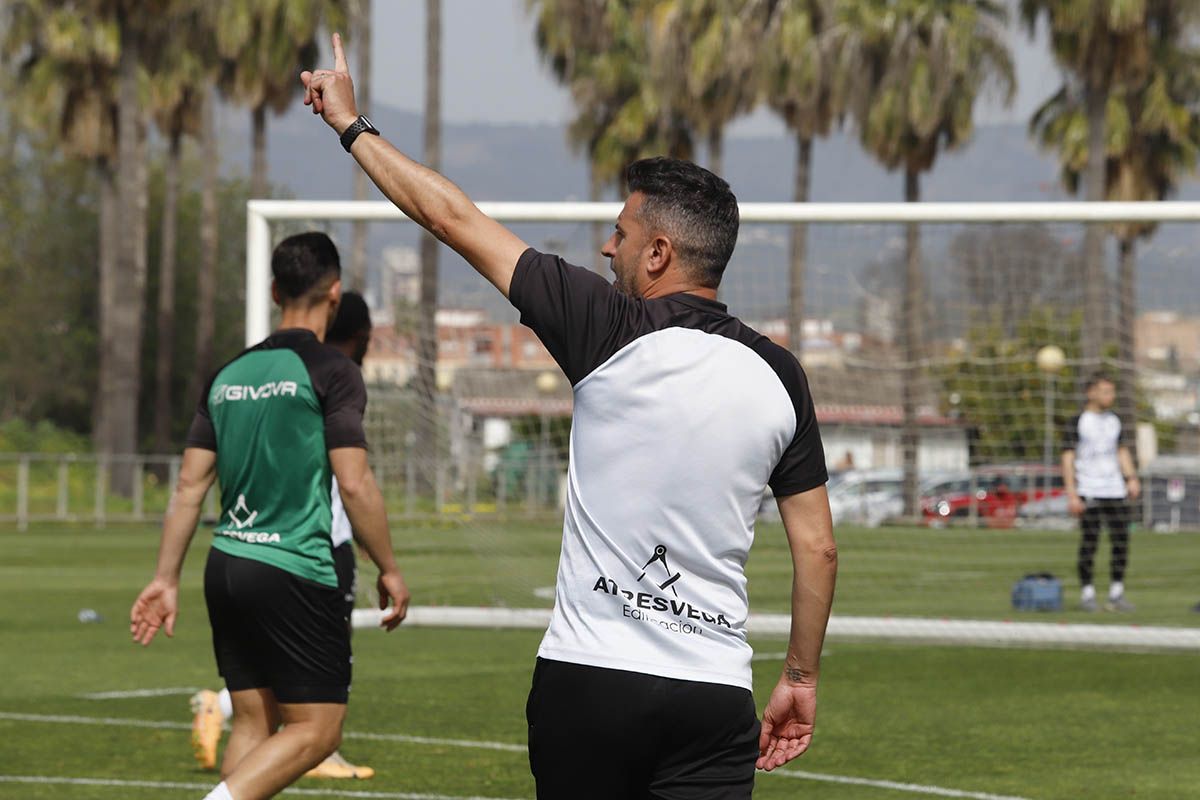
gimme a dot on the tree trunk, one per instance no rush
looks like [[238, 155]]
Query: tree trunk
[[165, 345], [206, 277], [595, 192], [1095, 310], [130, 278], [109, 234], [716, 152], [1126, 343], [258, 163], [426, 446], [362, 90], [910, 342], [799, 247]]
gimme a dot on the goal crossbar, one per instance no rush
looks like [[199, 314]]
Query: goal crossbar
[[261, 213]]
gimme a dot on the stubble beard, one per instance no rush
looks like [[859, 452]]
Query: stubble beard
[[621, 281]]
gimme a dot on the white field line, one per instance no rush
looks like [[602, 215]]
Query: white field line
[[113, 722], [178, 690], [201, 787], [400, 737], [915, 788], [124, 722], [963, 632]]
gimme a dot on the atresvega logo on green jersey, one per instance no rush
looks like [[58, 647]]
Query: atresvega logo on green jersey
[[231, 392]]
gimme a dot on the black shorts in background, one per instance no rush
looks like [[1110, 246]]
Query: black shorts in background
[[274, 630], [609, 734], [346, 567]]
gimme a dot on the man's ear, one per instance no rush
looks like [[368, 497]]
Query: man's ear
[[335, 292], [275, 293], [662, 251]]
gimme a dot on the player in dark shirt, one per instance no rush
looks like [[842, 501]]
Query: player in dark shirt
[[275, 425]]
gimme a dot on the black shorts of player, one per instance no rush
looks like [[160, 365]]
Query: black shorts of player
[[617, 735], [346, 568], [275, 630]]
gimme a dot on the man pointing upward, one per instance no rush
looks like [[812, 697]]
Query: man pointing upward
[[683, 417]]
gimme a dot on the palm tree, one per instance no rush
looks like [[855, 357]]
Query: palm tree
[[1102, 44], [361, 26], [177, 95], [206, 276], [805, 72], [704, 54], [925, 63], [263, 45], [1152, 142], [79, 65], [425, 428], [600, 50]]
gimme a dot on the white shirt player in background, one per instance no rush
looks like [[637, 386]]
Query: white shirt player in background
[[1101, 480], [350, 333]]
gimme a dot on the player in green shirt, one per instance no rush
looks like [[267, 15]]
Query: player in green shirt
[[274, 425]]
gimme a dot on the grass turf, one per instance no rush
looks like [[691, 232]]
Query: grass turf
[[1036, 724]]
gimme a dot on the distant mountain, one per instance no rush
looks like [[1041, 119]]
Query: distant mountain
[[512, 162]]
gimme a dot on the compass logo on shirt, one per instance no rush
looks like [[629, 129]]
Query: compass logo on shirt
[[241, 515], [669, 613], [660, 555]]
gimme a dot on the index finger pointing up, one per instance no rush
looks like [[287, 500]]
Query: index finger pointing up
[[339, 55]]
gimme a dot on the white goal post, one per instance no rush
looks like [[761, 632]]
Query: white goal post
[[261, 213]]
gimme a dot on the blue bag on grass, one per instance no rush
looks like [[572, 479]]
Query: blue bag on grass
[[1040, 591]]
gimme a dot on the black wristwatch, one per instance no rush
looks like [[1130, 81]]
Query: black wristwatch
[[360, 125]]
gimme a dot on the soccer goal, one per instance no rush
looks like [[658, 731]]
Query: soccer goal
[[946, 345]]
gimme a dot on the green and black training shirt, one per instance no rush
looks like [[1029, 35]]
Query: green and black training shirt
[[272, 415]]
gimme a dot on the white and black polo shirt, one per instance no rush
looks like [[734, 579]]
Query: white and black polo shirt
[[1096, 439], [683, 415]]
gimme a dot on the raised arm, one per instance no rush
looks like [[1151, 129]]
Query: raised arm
[[429, 199], [368, 520], [788, 719], [158, 604]]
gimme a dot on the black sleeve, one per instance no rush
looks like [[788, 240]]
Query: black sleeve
[[202, 434], [344, 403], [802, 465], [1070, 435], [580, 317], [1127, 438]]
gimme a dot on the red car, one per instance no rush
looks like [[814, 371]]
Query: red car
[[999, 493]]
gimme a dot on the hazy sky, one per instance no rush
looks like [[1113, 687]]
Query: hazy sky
[[492, 72]]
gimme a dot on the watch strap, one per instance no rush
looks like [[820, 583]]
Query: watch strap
[[359, 126]]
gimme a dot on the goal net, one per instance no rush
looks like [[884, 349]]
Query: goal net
[[947, 348]]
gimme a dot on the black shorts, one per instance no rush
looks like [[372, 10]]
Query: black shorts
[[346, 567], [606, 733], [274, 630]]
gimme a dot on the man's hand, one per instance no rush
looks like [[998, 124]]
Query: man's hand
[[331, 92], [154, 608], [1134, 486], [1076, 505], [787, 725], [391, 586]]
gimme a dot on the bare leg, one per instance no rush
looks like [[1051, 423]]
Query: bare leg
[[255, 717], [311, 732]]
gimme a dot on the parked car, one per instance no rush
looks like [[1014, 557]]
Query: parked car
[[866, 497], [999, 494]]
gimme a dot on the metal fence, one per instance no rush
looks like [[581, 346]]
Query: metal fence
[[75, 487]]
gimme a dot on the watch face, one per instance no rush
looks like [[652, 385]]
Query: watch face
[[370, 124]]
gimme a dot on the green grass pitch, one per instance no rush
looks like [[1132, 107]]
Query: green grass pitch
[[1034, 724]]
